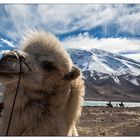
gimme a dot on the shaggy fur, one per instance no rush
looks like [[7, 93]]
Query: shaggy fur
[[50, 96]]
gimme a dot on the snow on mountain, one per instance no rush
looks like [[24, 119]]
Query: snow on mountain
[[105, 64], [80, 57], [6, 44]]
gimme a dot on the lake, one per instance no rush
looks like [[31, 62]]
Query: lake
[[103, 103]]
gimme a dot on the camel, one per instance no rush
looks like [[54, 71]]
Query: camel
[[109, 104], [121, 104], [50, 95]]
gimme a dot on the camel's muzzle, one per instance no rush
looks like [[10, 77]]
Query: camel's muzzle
[[9, 63]]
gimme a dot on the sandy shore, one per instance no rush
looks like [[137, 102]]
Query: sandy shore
[[103, 121]]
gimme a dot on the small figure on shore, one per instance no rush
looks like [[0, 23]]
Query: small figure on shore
[[109, 104], [121, 104]]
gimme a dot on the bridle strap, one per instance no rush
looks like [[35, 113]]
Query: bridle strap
[[21, 59]]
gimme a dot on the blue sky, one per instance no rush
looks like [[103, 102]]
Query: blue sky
[[112, 27]]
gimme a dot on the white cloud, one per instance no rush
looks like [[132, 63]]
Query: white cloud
[[115, 45], [62, 18]]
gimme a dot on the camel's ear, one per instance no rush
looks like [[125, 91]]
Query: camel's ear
[[73, 74]]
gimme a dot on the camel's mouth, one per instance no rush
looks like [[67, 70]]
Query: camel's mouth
[[8, 71], [9, 67], [4, 73]]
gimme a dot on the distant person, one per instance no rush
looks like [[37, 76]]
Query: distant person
[[116, 104], [109, 104], [121, 104]]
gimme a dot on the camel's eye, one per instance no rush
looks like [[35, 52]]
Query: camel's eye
[[48, 66]]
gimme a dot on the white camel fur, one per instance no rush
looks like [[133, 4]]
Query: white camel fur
[[50, 95]]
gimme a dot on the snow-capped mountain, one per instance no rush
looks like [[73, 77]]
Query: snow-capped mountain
[[104, 62], [108, 76]]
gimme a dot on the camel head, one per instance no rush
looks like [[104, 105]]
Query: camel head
[[49, 63]]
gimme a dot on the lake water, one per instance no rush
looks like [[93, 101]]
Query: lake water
[[103, 103]]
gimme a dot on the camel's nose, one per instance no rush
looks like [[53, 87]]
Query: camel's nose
[[9, 56], [9, 63], [12, 55]]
